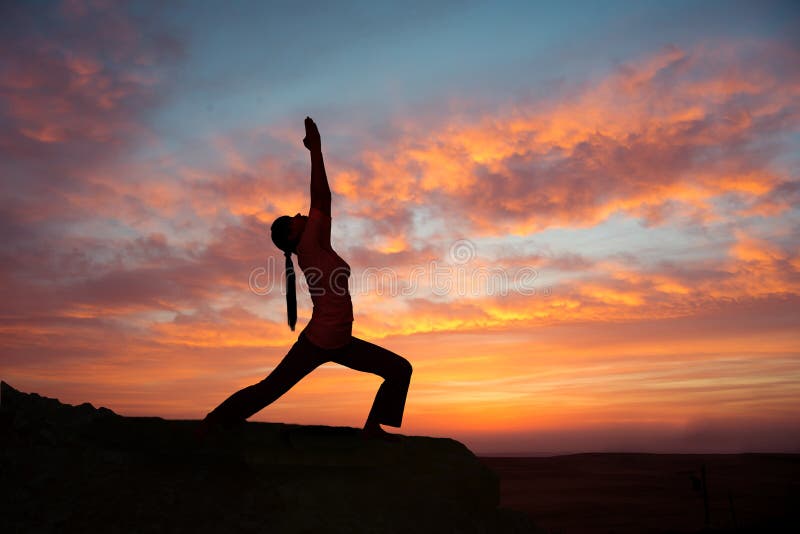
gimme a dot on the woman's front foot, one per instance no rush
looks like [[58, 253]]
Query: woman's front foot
[[374, 431]]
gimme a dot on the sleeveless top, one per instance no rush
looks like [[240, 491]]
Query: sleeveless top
[[327, 274]]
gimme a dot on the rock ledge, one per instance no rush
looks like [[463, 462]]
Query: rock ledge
[[77, 469]]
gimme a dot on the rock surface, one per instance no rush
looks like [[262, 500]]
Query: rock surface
[[79, 469]]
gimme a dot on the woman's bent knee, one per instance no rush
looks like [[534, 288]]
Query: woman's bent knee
[[404, 368]]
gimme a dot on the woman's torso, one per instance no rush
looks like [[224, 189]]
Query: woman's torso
[[327, 276]]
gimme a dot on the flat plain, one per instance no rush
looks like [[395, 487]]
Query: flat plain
[[630, 492]]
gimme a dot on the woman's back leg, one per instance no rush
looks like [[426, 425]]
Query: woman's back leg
[[298, 362]]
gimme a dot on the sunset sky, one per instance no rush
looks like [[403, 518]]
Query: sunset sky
[[578, 223]]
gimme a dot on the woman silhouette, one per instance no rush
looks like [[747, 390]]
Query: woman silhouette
[[328, 335]]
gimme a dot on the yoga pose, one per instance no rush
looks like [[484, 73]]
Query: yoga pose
[[328, 335]]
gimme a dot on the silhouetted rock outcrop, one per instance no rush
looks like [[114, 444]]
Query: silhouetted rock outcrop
[[80, 469]]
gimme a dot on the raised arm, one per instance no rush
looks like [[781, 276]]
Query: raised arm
[[320, 190]]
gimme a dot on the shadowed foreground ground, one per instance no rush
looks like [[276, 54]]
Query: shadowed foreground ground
[[79, 469], [627, 493]]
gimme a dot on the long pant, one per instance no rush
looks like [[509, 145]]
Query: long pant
[[304, 357]]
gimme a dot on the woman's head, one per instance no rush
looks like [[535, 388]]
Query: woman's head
[[286, 232]]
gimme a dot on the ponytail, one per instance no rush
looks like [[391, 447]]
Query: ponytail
[[291, 295], [280, 236]]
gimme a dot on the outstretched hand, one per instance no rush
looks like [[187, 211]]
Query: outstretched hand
[[312, 140]]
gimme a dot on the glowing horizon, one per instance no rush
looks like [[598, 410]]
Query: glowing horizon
[[647, 182]]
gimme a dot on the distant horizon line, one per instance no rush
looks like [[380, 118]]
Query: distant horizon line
[[550, 454]]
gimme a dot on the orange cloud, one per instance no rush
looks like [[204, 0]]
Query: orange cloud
[[683, 127]]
